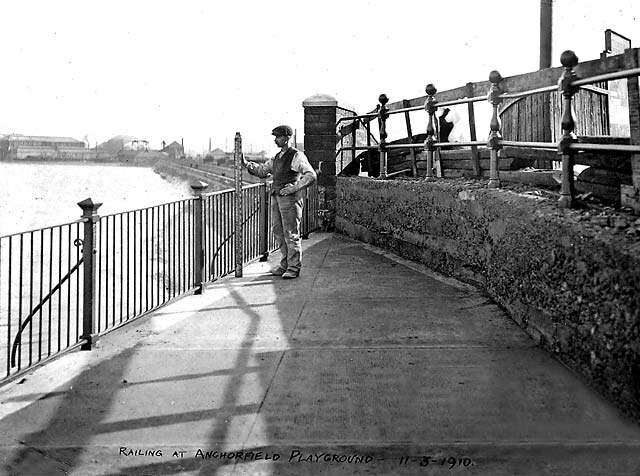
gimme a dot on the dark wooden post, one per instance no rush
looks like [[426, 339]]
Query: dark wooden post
[[238, 215], [412, 152], [198, 249], [354, 140], [338, 170], [495, 138], [431, 108], [475, 159], [368, 127], [569, 60], [383, 114], [89, 311]]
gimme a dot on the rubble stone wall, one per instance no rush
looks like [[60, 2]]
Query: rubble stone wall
[[570, 278]]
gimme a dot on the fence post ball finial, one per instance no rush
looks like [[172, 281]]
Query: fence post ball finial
[[495, 77], [383, 99], [430, 89], [568, 59]]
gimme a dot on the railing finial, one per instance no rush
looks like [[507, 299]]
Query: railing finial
[[568, 59], [495, 77], [430, 90]]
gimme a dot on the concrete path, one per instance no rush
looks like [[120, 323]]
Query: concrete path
[[366, 364]]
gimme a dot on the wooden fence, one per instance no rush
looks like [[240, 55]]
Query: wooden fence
[[558, 114]]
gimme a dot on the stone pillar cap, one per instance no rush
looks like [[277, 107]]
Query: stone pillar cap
[[320, 100]]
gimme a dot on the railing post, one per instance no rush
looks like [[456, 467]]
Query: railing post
[[495, 138], [569, 60], [89, 312], [237, 212], [198, 249], [264, 222], [430, 107], [383, 114]]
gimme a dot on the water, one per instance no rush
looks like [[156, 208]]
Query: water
[[36, 195]]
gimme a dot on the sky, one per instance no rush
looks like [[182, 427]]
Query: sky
[[199, 70]]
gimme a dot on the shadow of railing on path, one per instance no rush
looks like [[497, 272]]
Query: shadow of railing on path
[[68, 406]]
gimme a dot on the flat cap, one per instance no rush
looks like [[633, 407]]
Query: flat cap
[[282, 131]]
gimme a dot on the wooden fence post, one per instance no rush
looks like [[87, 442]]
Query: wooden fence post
[[383, 114], [431, 108], [238, 210], [354, 140], [89, 311], [412, 152], [495, 138], [198, 250], [567, 192], [475, 159]]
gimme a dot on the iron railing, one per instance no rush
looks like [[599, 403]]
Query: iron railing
[[495, 91], [63, 286], [40, 289]]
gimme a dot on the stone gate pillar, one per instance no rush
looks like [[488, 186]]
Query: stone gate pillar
[[320, 140]]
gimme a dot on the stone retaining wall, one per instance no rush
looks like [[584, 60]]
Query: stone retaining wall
[[571, 283]]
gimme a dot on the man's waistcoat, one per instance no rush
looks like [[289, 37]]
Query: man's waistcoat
[[281, 170]]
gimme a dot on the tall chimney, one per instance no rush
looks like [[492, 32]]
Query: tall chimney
[[546, 30]]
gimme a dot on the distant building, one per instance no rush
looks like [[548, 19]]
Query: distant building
[[174, 150], [217, 156], [139, 145], [20, 147]]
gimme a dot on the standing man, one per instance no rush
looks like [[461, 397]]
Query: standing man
[[291, 173]]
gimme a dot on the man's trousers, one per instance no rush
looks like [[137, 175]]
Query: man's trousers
[[286, 213]]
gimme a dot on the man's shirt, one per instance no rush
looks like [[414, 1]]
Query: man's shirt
[[299, 164]]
